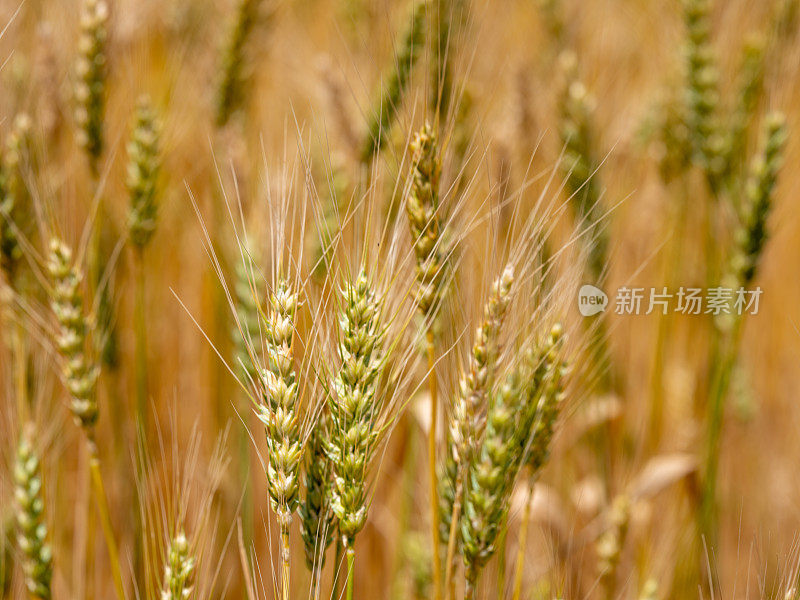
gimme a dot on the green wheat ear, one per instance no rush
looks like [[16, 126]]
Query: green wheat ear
[[355, 403], [383, 114], [179, 570], [579, 162], [144, 164], [15, 209], [247, 315], [91, 84], [519, 428], [464, 427], [751, 236], [233, 79], [317, 524], [32, 530], [710, 145]]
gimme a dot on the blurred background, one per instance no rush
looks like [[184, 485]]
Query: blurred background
[[529, 79]]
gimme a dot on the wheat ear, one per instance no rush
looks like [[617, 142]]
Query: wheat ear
[[32, 535], [91, 84], [230, 93], [611, 543], [80, 376], [422, 208], [464, 427], [179, 570], [544, 373], [15, 219], [355, 407], [385, 110], [280, 417], [14, 206], [702, 94], [750, 240], [317, 524]]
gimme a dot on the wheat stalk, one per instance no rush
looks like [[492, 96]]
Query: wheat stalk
[[750, 240], [80, 377], [422, 206], [355, 407], [543, 371]]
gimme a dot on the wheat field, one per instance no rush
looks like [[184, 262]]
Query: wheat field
[[399, 299]]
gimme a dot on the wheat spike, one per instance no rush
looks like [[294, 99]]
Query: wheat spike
[[37, 564], [465, 427], [278, 412], [91, 84], [316, 517], [702, 94], [422, 206], [230, 93], [179, 570], [80, 373], [752, 233], [355, 403], [144, 165], [14, 205], [383, 114]]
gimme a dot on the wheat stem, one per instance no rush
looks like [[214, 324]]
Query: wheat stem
[[101, 503], [434, 500], [351, 558], [140, 327], [455, 517], [285, 558], [522, 543], [20, 370], [337, 559]]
